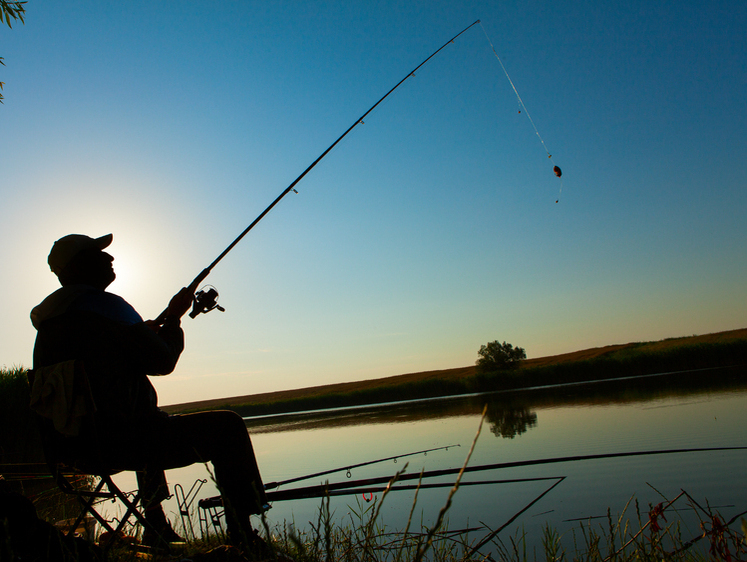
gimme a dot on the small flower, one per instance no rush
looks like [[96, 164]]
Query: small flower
[[653, 517]]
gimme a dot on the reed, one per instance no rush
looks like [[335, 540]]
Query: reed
[[619, 539], [636, 534], [656, 533]]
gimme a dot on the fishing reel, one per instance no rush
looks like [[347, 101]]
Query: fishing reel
[[206, 299]]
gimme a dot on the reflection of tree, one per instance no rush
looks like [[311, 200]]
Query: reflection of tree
[[510, 420]]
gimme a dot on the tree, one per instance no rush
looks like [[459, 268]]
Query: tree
[[10, 10], [499, 357]]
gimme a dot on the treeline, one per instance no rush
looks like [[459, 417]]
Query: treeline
[[627, 361], [634, 359]]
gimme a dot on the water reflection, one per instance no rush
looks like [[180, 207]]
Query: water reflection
[[676, 411], [509, 422], [512, 413]]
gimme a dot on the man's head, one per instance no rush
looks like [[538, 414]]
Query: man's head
[[80, 259]]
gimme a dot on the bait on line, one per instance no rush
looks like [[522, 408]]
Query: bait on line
[[556, 169], [206, 300]]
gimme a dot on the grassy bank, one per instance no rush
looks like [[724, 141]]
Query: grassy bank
[[636, 532], [641, 358]]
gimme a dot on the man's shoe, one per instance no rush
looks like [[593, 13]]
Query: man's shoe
[[252, 545], [162, 539]]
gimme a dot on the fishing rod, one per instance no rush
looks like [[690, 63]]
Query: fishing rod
[[498, 466], [348, 468], [323, 491], [206, 300], [310, 491], [369, 485]]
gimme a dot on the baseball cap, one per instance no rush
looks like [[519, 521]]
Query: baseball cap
[[67, 247]]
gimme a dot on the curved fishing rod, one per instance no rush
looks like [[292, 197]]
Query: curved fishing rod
[[362, 487], [273, 485], [206, 301], [290, 494], [322, 489]]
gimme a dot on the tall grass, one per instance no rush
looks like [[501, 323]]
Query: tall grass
[[20, 446], [654, 533], [637, 534], [19, 440]]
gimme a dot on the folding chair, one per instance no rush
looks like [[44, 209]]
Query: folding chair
[[63, 406]]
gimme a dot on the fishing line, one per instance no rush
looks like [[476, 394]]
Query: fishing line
[[556, 169], [204, 307]]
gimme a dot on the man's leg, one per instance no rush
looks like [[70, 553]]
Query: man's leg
[[220, 437], [153, 491]]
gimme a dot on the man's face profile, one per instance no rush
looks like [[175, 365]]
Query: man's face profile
[[89, 267]]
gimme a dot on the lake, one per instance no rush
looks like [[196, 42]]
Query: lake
[[676, 411]]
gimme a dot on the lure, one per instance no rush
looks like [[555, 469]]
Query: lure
[[555, 169]]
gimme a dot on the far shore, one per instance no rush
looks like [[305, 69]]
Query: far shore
[[614, 361]]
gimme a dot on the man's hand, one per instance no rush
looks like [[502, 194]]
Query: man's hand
[[180, 303]]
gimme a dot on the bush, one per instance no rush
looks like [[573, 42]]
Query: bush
[[19, 440]]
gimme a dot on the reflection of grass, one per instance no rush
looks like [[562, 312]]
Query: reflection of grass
[[657, 533], [676, 354]]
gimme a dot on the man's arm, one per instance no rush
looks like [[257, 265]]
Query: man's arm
[[163, 343]]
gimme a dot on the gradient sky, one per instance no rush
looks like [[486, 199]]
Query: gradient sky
[[432, 228]]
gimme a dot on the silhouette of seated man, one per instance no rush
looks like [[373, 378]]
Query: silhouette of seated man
[[119, 351]]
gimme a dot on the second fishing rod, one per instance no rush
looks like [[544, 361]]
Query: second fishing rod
[[206, 300]]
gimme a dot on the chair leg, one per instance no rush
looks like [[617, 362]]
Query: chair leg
[[88, 499], [130, 504]]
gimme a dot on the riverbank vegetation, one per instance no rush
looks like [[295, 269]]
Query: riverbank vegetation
[[672, 355], [19, 443], [681, 528], [637, 533]]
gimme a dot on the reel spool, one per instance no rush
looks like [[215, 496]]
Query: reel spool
[[206, 299]]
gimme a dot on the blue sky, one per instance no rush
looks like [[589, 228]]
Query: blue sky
[[432, 228]]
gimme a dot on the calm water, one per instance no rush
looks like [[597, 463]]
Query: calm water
[[634, 416]]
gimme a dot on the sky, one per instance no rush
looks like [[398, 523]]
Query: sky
[[432, 228]]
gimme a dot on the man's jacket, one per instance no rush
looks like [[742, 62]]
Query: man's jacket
[[117, 349]]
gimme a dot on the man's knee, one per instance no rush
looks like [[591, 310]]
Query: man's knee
[[230, 421], [226, 427]]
